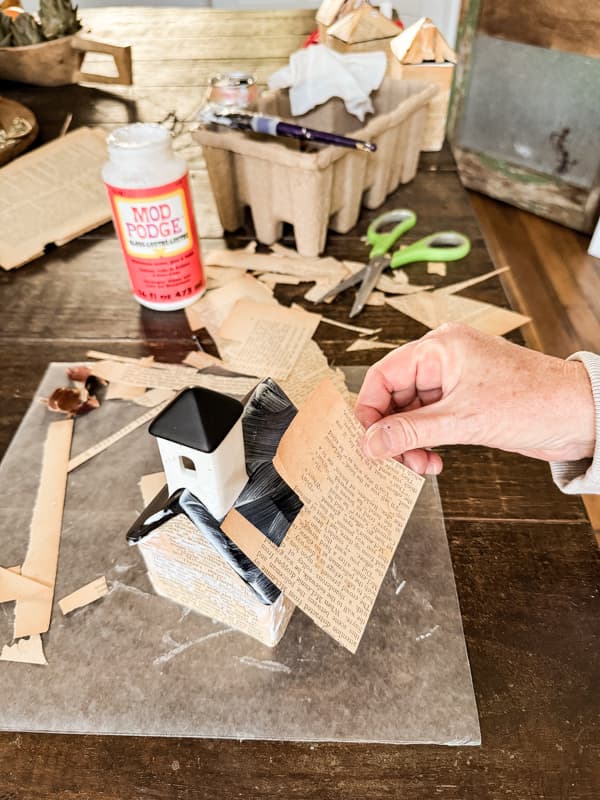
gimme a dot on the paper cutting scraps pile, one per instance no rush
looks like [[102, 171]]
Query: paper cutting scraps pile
[[282, 265]]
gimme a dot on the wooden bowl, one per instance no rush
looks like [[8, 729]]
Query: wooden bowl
[[9, 109]]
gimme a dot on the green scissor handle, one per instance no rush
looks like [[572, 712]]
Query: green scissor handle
[[383, 241], [441, 246]]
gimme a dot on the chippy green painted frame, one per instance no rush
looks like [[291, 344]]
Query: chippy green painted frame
[[542, 194]]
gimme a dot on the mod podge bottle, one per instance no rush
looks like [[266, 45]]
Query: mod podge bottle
[[152, 210]]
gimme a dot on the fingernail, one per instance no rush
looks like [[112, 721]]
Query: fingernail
[[377, 442]]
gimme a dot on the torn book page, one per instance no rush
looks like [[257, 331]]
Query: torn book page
[[453, 288], [84, 596], [154, 397], [213, 308], [179, 377], [150, 485], [349, 327], [335, 555], [59, 186], [32, 614], [268, 338], [201, 360], [25, 651], [435, 308], [307, 269], [389, 285], [310, 370], [370, 344], [376, 298]]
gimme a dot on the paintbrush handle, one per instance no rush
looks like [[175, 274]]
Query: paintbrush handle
[[273, 126]]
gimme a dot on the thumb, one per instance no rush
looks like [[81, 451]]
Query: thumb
[[409, 430]]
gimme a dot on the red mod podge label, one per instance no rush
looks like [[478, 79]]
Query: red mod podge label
[[157, 231]]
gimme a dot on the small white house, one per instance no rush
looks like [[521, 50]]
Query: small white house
[[201, 445]]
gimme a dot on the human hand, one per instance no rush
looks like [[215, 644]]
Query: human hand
[[457, 385]]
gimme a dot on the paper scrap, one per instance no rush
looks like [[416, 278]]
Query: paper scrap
[[437, 268], [201, 360], [105, 443], [59, 185], [371, 344], [25, 651], [458, 287], [82, 597], [213, 308], [272, 279], [375, 299], [179, 377], [307, 269], [310, 370], [391, 286], [32, 614], [154, 397], [270, 337], [348, 327], [335, 555], [14, 586], [150, 485], [219, 276], [434, 308], [123, 391]]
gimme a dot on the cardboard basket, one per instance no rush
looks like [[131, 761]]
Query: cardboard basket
[[322, 186]]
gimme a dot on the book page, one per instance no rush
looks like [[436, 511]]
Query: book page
[[53, 194], [213, 308], [266, 340], [334, 557]]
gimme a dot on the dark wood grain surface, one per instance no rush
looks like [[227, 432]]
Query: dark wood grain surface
[[524, 556]]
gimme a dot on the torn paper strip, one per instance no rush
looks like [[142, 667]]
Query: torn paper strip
[[14, 586], [25, 651], [32, 614], [334, 557], [82, 597]]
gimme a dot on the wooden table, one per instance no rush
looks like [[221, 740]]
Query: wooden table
[[524, 556]]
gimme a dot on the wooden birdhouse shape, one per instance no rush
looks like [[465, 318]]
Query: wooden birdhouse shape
[[422, 42], [421, 53], [201, 445]]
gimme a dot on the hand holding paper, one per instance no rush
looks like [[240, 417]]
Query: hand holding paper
[[457, 385]]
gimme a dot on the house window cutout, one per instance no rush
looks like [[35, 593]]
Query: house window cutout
[[187, 463]]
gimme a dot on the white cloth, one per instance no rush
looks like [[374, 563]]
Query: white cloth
[[316, 74], [583, 477]]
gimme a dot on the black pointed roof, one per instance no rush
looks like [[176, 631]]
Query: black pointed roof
[[198, 418]]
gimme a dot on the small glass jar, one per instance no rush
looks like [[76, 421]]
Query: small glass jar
[[149, 191], [233, 90]]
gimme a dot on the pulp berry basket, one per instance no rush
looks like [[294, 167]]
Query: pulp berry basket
[[323, 186]]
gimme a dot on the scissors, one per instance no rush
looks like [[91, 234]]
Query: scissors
[[440, 246]]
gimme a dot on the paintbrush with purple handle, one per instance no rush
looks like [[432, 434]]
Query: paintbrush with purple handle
[[273, 126]]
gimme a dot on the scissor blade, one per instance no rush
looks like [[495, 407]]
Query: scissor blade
[[351, 280], [372, 272]]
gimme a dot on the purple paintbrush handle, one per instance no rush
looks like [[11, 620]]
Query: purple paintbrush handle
[[311, 135], [273, 126]]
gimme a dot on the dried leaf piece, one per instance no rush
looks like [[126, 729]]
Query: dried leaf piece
[[71, 401]]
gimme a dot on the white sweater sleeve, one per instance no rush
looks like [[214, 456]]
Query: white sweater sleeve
[[583, 477]]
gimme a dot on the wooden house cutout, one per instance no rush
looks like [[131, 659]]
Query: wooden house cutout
[[363, 24], [422, 42]]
